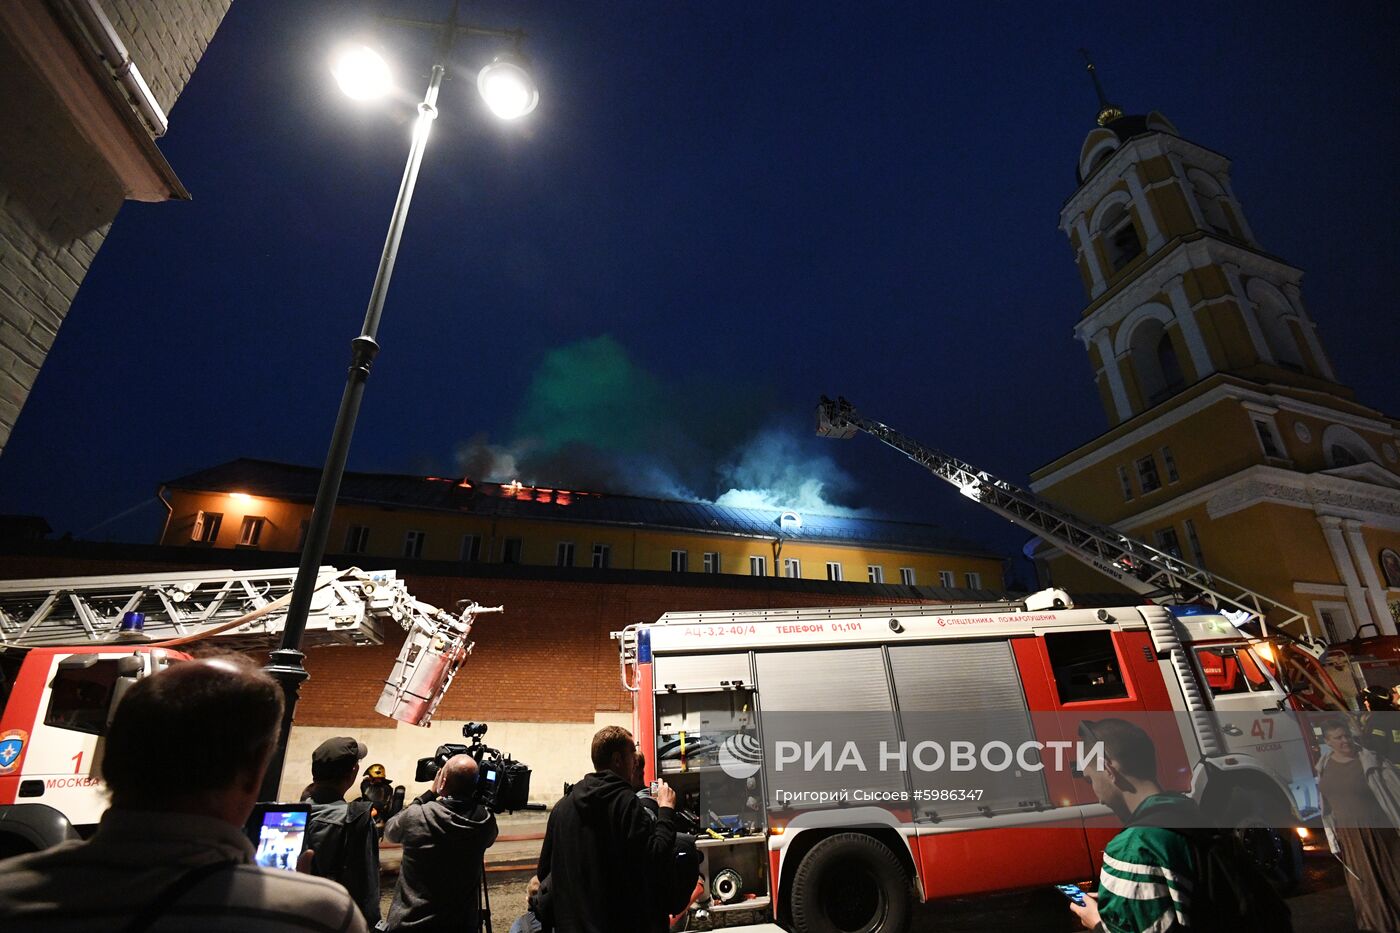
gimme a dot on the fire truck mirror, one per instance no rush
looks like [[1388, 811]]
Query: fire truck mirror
[[77, 662]]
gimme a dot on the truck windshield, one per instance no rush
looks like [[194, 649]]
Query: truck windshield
[[1231, 670], [80, 696]]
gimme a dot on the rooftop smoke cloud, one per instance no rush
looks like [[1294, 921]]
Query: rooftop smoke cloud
[[593, 419]]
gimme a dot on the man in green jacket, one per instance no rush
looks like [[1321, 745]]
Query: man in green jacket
[[1148, 870]]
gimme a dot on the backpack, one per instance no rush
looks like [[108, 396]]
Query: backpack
[[328, 833], [1231, 892]]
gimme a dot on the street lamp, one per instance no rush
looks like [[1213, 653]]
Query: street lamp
[[510, 93]]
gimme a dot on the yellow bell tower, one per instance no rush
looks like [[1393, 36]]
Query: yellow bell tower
[[1230, 440]]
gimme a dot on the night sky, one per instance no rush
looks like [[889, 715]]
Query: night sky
[[717, 213]]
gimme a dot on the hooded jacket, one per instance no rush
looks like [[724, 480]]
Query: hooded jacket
[[440, 879], [600, 851]]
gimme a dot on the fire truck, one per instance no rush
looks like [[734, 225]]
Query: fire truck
[[70, 648], [720, 696]]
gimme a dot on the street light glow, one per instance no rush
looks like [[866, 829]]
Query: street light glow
[[507, 87], [361, 73]]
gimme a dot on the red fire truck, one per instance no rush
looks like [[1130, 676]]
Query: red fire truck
[[71, 647], [820, 851]]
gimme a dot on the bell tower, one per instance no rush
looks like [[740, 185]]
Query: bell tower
[[1177, 286]]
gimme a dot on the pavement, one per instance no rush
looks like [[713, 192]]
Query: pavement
[[1320, 904]]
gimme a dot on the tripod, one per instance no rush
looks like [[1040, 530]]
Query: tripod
[[484, 901]]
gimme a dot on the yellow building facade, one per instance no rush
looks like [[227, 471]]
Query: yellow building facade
[[266, 506], [1231, 442]]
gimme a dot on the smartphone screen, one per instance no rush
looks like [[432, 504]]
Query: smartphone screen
[[1073, 892], [279, 834]]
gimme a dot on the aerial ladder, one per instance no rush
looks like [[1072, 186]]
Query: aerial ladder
[[1141, 568], [246, 610]]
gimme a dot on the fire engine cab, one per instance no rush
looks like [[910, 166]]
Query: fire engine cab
[[820, 850]]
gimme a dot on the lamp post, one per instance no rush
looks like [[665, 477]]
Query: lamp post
[[510, 93]]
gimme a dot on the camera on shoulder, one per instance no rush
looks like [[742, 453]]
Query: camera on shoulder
[[502, 784]]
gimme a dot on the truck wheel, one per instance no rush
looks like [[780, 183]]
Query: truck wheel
[[1275, 849], [850, 883]]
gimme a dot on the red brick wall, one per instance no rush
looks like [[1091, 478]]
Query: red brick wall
[[547, 658]]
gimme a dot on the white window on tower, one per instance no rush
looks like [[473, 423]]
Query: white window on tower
[[251, 532], [602, 556], [1167, 541], [1198, 556], [712, 561], [974, 580], [1268, 439], [413, 543], [875, 573], [792, 567], [1147, 474], [906, 576], [680, 561], [564, 554], [833, 570], [758, 566], [945, 578]]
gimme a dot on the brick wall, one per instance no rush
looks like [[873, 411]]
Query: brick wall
[[57, 198]]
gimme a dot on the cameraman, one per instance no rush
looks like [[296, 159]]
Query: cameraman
[[445, 833]]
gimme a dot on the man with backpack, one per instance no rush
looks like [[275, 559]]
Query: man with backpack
[[1164, 872], [342, 834]]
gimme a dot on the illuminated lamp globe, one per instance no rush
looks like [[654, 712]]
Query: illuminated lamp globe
[[361, 73], [507, 87]]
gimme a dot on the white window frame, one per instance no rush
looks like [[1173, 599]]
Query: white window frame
[[250, 532], [1193, 541], [1341, 613], [973, 579], [711, 561], [874, 573], [758, 565], [1142, 480], [1264, 424], [205, 529], [602, 556], [907, 576], [470, 550], [680, 561], [792, 568], [519, 552], [946, 579], [357, 539], [413, 541], [834, 572], [1126, 482], [1169, 462], [564, 554], [1159, 540]]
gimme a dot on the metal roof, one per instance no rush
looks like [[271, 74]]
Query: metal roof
[[513, 500]]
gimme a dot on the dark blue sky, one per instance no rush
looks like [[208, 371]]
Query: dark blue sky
[[758, 202]]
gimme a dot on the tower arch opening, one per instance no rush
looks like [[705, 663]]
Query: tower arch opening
[[1343, 447], [1121, 241], [1156, 365], [1211, 198], [1275, 314]]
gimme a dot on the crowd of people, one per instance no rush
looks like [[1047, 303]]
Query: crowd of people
[[171, 852]]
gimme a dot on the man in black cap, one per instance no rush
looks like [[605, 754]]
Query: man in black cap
[[342, 834]]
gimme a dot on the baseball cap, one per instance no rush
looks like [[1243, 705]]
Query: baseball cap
[[336, 753]]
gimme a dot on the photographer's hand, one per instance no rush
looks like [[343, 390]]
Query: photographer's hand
[[665, 795]]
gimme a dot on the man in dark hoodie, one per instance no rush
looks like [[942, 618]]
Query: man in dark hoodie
[[444, 834], [601, 847]]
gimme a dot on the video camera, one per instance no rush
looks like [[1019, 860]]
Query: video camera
[[502, 782]]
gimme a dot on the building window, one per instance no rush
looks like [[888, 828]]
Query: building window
[[945, 578], [602, 556], [758, 566], [1166, 541], [973, 579], [510, 550], [1267, 439], [471, 548], [1120, 237], [875, 573], [413, 543], [679, 561], [357, 539], [251, 532], [1126, 483], [712, 561], [1147, 474], [906, 576], [1169, 462], [833, 570], [1198, 556], [564, 554], [206, 527], [792, 567]]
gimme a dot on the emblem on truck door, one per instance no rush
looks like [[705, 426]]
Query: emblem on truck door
[[11, 749]]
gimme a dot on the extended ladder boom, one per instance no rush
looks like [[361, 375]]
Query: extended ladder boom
[[1127, 561]]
